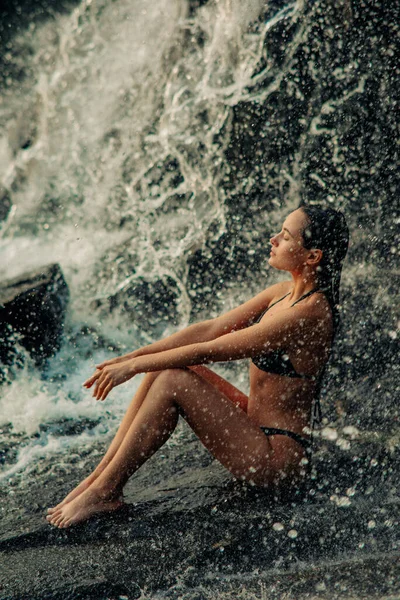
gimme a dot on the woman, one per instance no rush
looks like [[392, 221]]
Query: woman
[[287, 330]]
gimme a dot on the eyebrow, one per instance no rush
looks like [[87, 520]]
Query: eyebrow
[[286, 229]]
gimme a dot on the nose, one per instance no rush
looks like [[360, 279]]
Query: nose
[[273, 240]]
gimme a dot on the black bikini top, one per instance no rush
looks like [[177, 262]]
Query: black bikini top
[[278, 361]]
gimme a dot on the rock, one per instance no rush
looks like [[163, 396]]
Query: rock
[[32, 310], [151, 302], [187, 524], [5, 203]]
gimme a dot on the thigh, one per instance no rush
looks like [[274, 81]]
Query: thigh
[[226, 430], [230, 391]]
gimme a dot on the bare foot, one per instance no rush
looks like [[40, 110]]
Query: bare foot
[[84, 506], [82, 487]]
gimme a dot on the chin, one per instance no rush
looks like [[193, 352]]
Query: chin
[[271, 264], [274, 265]]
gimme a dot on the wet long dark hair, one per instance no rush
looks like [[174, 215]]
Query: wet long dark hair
[[327, 230]]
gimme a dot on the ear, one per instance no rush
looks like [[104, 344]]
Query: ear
[[314, 257]]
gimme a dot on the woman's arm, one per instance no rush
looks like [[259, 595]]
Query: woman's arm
[[249, 342], [197, 332], [292, 327], [296, 328], [209, 330]]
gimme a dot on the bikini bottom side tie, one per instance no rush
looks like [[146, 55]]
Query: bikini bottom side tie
[[305, 443]]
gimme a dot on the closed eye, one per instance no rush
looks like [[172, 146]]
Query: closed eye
[[287, 230]]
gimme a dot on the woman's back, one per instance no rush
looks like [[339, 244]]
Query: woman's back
[[283, 382]]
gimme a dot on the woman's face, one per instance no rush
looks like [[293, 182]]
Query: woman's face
[[288, 252]]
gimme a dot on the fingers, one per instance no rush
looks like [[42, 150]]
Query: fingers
[[107, 378], [106, 392], [89, 382], [111, 361], [105, 363], [98, 392], [101, 383]]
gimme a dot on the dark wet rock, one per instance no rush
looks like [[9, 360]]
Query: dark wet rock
[[362, 381], [93, 589], [151, 302], [327, 123], [22, 133], [328, 126], [187, 525], [68, 426], [5, 203], [10, 442], [16, 16], [368, 342], [32, 311], [194, 5]]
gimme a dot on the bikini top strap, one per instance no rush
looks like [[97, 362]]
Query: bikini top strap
[[307, 294], [276, 302], [288, 294]]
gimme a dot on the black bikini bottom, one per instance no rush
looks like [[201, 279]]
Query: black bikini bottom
[[295, 436]]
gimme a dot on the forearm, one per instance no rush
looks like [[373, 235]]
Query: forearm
[[218, 350], [193, 334], [232, 346], [183, 356]]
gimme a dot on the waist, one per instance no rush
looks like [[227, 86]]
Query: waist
[[284, 404], [264, 382]]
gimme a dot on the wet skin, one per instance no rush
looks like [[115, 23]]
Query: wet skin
[[174, 386]]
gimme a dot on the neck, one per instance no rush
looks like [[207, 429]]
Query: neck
[[302, 284]]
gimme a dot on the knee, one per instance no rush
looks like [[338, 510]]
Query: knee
[[173, 375], [172, 379], [151, 376]]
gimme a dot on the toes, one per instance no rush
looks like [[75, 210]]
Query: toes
[[51, 520], [57, 520], [60, 520], [65, 523], [54, 517]]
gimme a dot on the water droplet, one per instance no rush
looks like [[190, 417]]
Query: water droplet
[[329, 434]]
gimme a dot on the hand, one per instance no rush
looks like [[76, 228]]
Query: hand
[[109, 377]]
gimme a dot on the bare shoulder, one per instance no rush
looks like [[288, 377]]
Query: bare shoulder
[[245, 314], [314, 310], [318, 305]]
